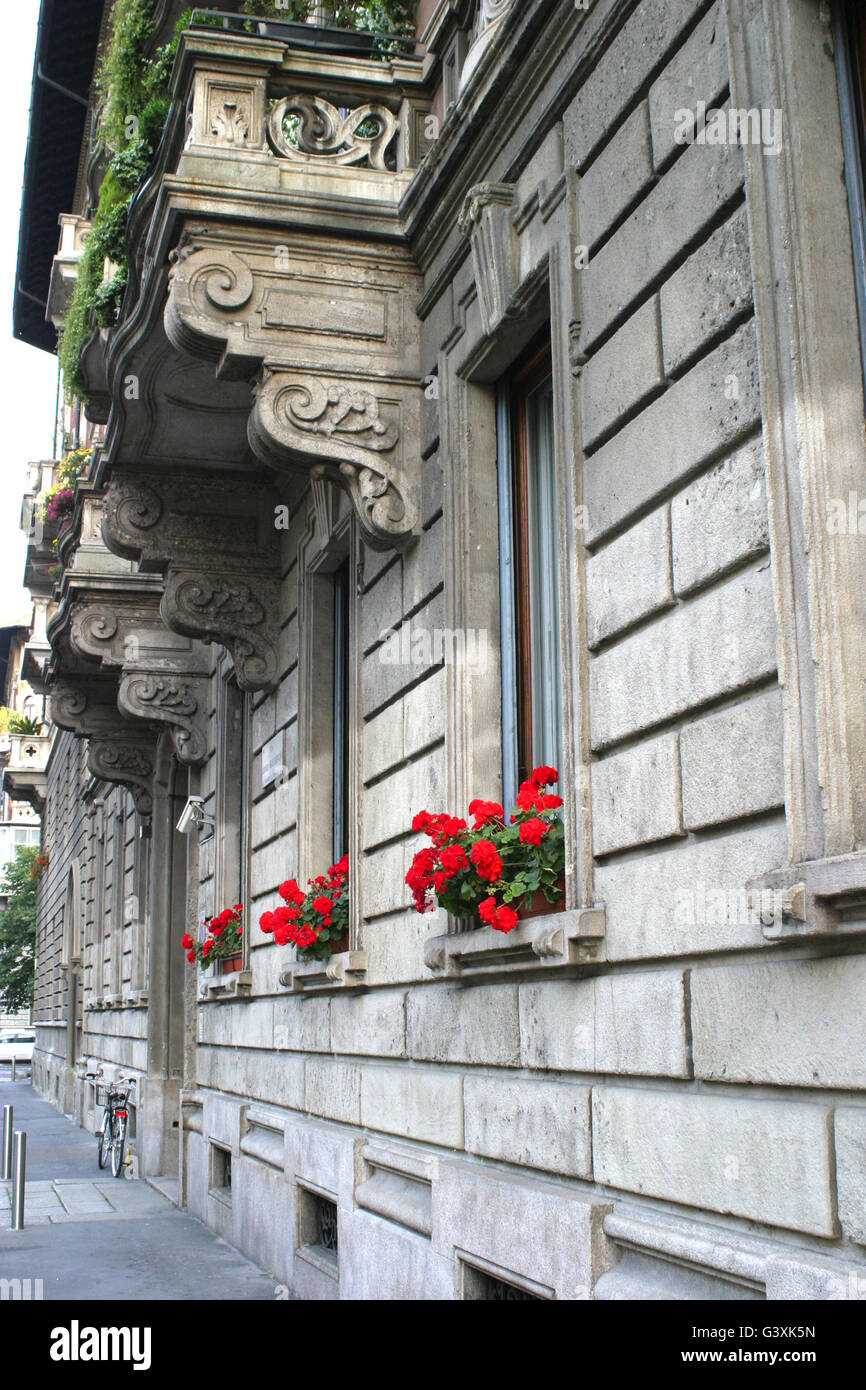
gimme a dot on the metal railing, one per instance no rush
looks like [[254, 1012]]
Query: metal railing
[[328, 38]]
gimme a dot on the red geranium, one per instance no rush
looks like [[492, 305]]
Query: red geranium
[[484, 812], [486, 860], [313, 921], [532, 831], [520, 857], [544, 776], [221, 941]]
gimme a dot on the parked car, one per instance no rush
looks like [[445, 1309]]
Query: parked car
[[18, 1045]]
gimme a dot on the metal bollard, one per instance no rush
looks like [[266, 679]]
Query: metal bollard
[[7, 1142], [13, 1069], [19, 1173]]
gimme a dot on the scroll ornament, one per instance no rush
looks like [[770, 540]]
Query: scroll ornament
[[310, 130]]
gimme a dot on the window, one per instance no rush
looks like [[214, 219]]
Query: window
[[318, 1230], [221, 1173], [232, 817], [529, 572], [849, 34], [232, 800], [341, 711]]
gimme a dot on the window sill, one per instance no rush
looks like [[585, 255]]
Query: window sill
[[321, 1259], [237, 985], [136, 999], [344, 970], [558, 941], [818, 898]]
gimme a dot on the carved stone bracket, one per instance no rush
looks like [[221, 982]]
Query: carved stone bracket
[[486, 219], [562, 940], [344, 970], [128, 758], [163, 675], [182, 704], [331, 336], [342, 431], [215, 541], [118, 751]]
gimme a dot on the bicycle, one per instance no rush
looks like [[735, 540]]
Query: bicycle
[[111, 1138]]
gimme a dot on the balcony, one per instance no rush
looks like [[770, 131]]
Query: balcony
[[64, 268], [24, 776]]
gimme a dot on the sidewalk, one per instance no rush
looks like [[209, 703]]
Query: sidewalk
[[91, 1236]]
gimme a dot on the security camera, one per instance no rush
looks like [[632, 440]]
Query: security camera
[[193, 816]]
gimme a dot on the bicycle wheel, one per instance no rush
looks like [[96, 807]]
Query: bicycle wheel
[[118, 1144], [103, 1140]]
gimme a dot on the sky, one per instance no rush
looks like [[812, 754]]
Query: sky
[[28, 377]]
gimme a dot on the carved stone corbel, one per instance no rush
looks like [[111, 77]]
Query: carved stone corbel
[[485, 219], [214, 540], [128, 758], [163, 675], [330, 333], [118, 750], [342, 431]]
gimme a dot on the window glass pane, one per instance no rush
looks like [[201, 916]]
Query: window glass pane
[[849, 43], [507, 614], [341, 711], [543, 577]]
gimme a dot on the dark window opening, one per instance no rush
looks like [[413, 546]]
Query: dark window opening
[[341, 711], [326, 1224], [529, 572], [501, 1292]]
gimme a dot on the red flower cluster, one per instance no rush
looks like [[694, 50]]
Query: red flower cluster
[[305, 917], [530, 796], [533, 830], [486, 860], [463, 867], [222, 938], [502, 918], [440, 829], [485, 812], [228, 918]]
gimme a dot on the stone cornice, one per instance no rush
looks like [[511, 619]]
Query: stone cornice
[[519, 76]]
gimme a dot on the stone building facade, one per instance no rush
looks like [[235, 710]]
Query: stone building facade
[[312, 408]]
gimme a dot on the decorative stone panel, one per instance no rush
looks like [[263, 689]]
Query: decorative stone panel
[[486, 219]]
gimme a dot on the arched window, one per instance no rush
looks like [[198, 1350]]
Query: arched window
[[72, 942]]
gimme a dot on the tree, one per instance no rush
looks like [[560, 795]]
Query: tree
[[18, 930]]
